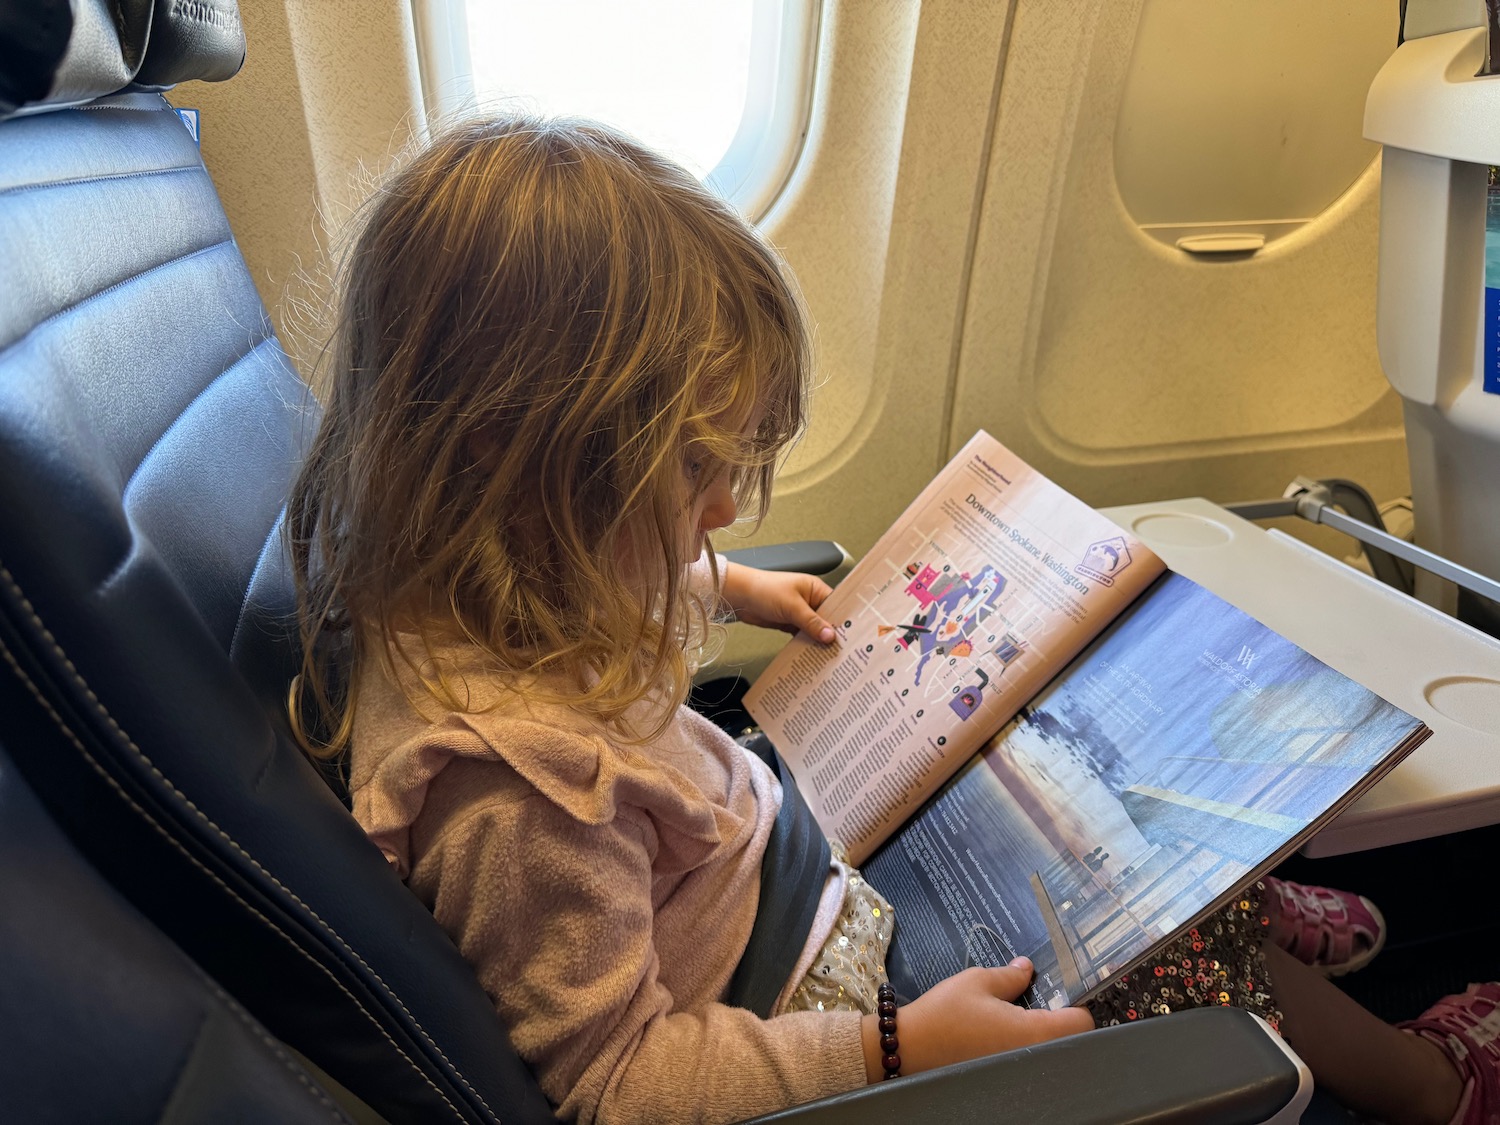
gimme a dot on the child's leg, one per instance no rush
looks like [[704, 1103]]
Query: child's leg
[[1365, 1063]]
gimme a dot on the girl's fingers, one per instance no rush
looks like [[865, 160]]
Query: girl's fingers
[[1068, 1021], [1042, 1024], [801, 614], [1009, 981], [817, 591], [814, 591]]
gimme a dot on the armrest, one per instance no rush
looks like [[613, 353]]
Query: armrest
[[1217, 1064], [811, 556]]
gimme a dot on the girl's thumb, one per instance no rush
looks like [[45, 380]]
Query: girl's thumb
[[815, 627], [1009, 981]]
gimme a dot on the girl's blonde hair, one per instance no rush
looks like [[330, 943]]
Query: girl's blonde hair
[[540, 324]]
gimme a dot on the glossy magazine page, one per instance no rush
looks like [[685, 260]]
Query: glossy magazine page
[[1181, 755]]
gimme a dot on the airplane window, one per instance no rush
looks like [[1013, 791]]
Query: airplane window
[[724, 87]]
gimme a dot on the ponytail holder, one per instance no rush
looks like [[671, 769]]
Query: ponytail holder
[[890, 1061]]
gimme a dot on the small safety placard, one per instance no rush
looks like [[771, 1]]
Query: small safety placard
[[190, 119]]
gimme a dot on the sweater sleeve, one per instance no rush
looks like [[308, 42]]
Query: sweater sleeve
[[557, 918]]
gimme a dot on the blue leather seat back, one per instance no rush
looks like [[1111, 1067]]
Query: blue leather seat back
[[150, 425], [123, 289]]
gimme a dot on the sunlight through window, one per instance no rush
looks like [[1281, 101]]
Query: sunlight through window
[[674, 73]]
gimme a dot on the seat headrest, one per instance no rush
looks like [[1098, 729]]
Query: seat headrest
[[58, 53]]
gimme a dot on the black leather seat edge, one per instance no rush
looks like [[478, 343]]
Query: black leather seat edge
[[120, 1024], [1225, 1067]]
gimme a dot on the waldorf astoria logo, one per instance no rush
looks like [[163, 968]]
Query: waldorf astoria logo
[[1104, 560], [1234, 669]]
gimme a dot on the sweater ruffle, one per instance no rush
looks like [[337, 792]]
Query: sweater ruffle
[[582, 773]]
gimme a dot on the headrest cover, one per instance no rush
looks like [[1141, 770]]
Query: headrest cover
[[54, 53]]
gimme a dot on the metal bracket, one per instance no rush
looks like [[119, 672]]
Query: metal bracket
[[1313, 500]]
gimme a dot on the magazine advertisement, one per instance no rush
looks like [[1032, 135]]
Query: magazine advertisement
[[1176, 758]]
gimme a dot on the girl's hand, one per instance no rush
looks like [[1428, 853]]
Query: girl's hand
[[968, 1015], [776, 600]]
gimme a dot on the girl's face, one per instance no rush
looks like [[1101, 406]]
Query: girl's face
[[706, 505], [712, 508], [713, 505]]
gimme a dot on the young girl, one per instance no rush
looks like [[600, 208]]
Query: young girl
[[560, 364]]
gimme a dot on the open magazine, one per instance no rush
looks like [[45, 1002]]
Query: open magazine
[[1038, 741]]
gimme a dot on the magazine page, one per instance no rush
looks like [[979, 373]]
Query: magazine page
[[1184, 753], [988, 584]]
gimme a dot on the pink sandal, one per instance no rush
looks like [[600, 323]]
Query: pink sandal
[[1333, 931], [1465, 1028]]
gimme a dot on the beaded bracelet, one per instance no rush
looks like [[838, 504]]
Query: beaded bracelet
[[889, 1044]]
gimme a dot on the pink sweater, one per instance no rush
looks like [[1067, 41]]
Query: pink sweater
[[602, 892]]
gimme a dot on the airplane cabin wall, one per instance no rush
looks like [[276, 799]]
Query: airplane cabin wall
[[1127, 369], [878, 224], [329, 93], [1005, 285], [958, 232]]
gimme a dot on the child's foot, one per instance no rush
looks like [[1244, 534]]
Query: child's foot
[[1464, 1028], [1333, 931]]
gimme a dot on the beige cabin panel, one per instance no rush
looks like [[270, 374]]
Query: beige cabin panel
[[834, 221], [1129, 370], [878, 225], [329, 93], [964, 255], [1246, 112]]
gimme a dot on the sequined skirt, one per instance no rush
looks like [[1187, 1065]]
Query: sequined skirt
[[850, 967], [1218, 963]]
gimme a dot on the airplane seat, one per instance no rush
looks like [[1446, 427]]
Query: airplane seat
[[120, 1026], [150, 425]]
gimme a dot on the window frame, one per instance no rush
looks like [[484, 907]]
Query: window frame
[[772, 132]]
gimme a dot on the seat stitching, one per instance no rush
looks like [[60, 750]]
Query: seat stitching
[[187, 409], [74, 181], [252, 1025], [184, 1064], [10, 581], [115, 785], [177, 845], [78, 304], [89, 108]]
